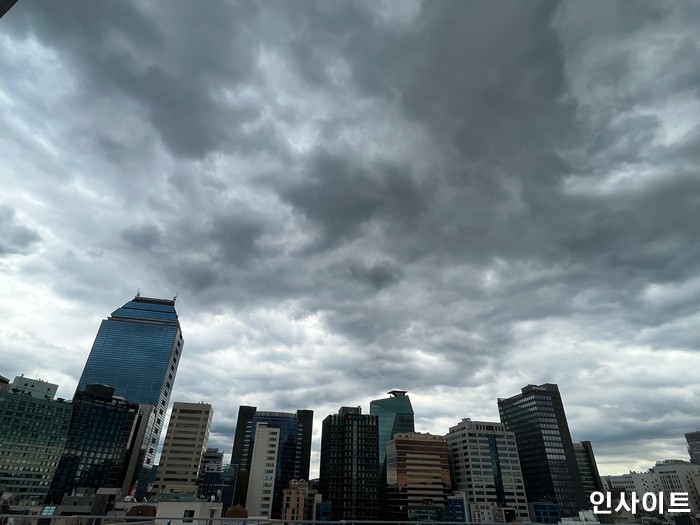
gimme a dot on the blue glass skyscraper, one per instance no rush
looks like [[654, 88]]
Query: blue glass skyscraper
[[137, 351]]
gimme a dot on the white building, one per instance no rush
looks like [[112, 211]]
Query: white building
[[477, 450], [261, 483]]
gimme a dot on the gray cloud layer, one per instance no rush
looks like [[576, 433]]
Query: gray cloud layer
[[456, 198]]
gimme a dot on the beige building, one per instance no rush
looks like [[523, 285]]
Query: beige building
[[485, 466], [185, 445], [261, 483]]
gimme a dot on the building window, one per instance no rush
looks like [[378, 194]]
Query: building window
[[188, 514]]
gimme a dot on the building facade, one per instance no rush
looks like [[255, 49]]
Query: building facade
[[261, 481], [100, 450], [418, 477], [137, 351], [293, 459], [693, 440], [184, 447], [350, 464], [536, 416], [485, 466], [588, 468], [33, 433]]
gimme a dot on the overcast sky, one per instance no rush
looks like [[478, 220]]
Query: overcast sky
[[455, 198]]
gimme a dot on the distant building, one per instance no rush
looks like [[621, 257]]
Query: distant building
[[349, 464], [295, 502], [33, 432], [588, 469], [211, 456], [184, 447], [261, 483], [485, 467], [137, 351], [219, 482], [294, 454], [457, 508], [693, 440], [4, 384], [418, 477], [546, 452], [100, 450], [34, 387]]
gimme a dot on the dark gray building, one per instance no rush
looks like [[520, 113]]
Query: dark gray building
[[588, 469], [550, 471], [693, 440], [102, 446], [350, 464]]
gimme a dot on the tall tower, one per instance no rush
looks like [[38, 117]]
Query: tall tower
[[485, 466], [395, 415], [536, 416], [349, 464], [185, 444], [137, 351], [293, 459], [262, 470]]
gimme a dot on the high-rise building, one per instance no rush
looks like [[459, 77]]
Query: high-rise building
[[418, 477], [261, 483], [395, 415], [100, 450], [485, 467], [693, 440], [184, 447], [349, 464], [137, 351], [588, 468], [294, 454], [547, 457], [33, 432]]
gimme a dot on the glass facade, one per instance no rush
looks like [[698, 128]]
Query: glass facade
[[137, 351], [395, 415], [99, 444], [33, 432], [547, 458]]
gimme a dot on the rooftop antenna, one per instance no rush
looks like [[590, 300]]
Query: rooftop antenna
[[175, 298], [138, 292]]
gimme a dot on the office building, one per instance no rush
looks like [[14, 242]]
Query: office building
[[457, 508], [4, 384], [395, 415], [219, 482], [261, 481], [137, 351], [212, 457], [486, 468], [587, 467], [349, 464], [34, 387], [184, 447], [693, 440], [100, 450], [536, 416], [418, 477], [33, 432], [292, 460], [298, 503]]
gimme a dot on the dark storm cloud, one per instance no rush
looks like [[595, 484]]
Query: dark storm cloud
[[15, 238], [357, 196]]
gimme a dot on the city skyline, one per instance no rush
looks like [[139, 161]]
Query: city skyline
[[452, 198]]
